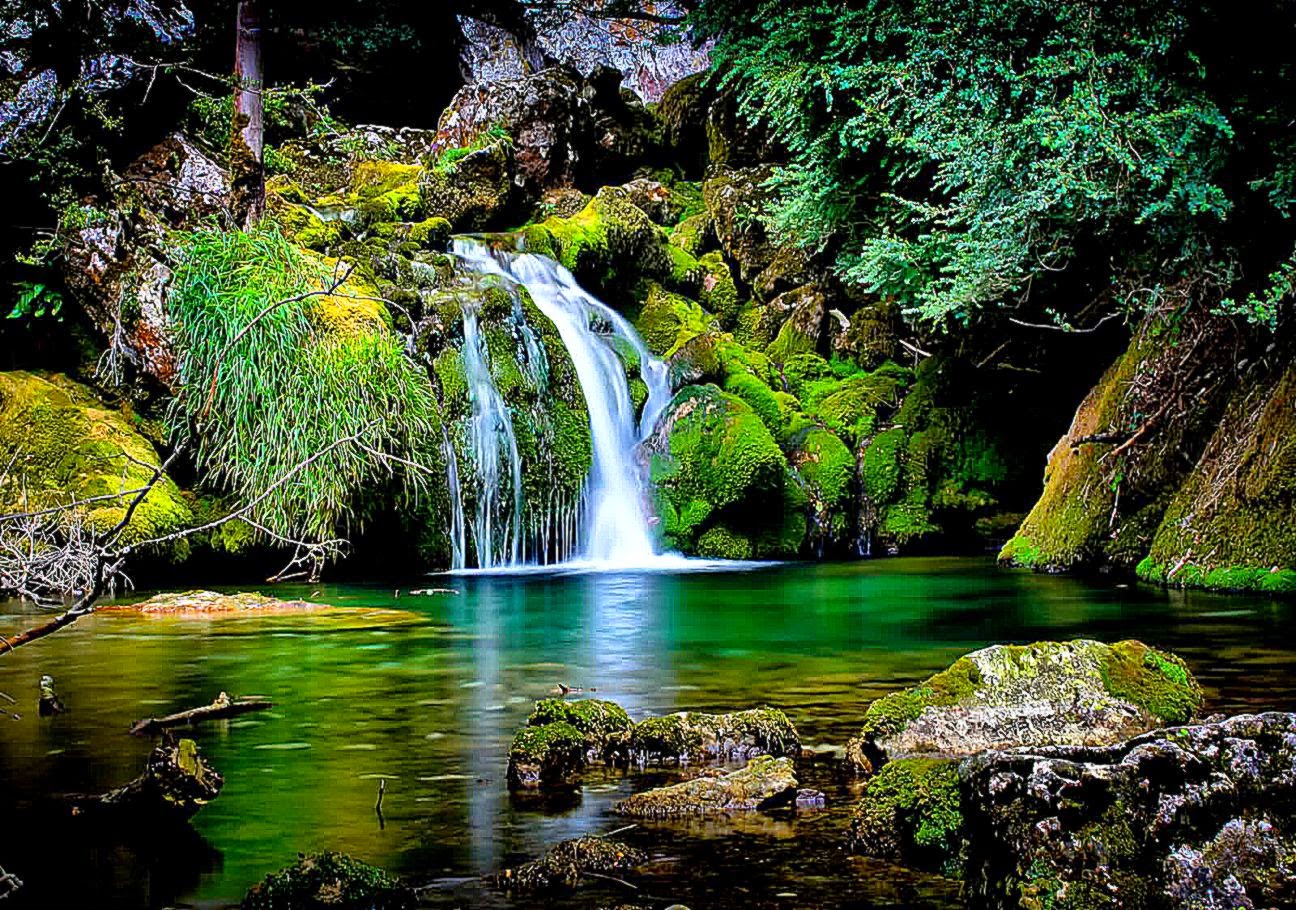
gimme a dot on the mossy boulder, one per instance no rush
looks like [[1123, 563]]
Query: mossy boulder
[[736, 200], [712, 448], [910, 813], [1186, 817], [692, 736], [66, 445], [826, 468], [329, 881], [546, 755], [1048, 693], [603, 723], [608, 245], [766, 782], [471, 191]]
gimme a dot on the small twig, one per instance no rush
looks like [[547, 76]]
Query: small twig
[[619, 881]]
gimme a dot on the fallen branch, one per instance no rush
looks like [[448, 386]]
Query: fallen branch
[[222, 708]]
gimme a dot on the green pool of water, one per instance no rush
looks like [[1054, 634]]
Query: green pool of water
[[430, 705]]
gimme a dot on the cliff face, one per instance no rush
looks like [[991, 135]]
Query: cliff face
[[1178, 464]]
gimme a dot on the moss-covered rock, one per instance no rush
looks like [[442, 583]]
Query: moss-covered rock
[[735, 200], [1047, 693], [766, 782], [67, 446], [329, 881], [547, 755], [471, 190], [710, 447], [691, 736], [826, 468], [1232, 524], [602, 722], [910, 813], [1133, 440]]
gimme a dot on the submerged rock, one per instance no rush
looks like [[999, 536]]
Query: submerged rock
[[691, 736], [175, 784], [1186, 817], [329, 881], [566, 864], [1048, 693], [766, 782]]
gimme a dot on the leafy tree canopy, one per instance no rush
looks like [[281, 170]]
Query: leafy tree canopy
[[963, 156]]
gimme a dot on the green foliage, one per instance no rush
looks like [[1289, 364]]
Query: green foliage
[[961, 155], [447, 159], [35, 300], [318, 381]]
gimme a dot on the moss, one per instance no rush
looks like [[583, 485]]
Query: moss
[[911, 812], [828, 468], [694, 234], [545, 755], [759, 396], [723, 452], [718, 292], [721, 543], [694, 736], [596, 719], [889, 715], [610, 243], [67, 445], [388, 189], [329, 880], [668, 321], [1156, 681]]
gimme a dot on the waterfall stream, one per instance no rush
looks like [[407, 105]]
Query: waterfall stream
[[611, 528]]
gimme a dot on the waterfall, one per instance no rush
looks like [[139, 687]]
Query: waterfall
[[613, 527]]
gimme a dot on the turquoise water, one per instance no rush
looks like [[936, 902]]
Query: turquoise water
[[430, 702]]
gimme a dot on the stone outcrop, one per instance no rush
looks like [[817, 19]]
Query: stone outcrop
[[567, 864]]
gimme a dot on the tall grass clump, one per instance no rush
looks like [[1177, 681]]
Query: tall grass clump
[[294, 389]]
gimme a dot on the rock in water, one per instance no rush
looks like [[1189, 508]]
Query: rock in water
[[693, 736], [561, 738], [567, 863], [49, 704], [1077, 693], [766, 782], [329, 880], [1199, 817]]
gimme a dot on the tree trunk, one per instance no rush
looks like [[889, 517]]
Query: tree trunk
[[247, 149]]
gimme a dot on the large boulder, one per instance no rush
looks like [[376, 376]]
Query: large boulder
[[1200, 817], [766, 782], [471, 190], [735, 200], [1082, 693]]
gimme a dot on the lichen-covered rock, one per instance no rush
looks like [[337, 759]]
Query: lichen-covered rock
[[567, 864], [329, 881], [67, 446], [803, 324], [691, 736], [766, 782], [1048, 693], [735, 201], [1232, 524], [177, 182], [1132, 442], [471, 191], [1187, 817], [604, 724]]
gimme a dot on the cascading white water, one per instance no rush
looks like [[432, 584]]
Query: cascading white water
[[496, 525], [616, 530]]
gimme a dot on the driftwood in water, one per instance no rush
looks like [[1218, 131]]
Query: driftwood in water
[[176, 783], [223, 707]]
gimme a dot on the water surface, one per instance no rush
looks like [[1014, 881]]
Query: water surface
[[430, 705]]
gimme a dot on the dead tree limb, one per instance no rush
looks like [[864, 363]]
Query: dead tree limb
[[222, 708]]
